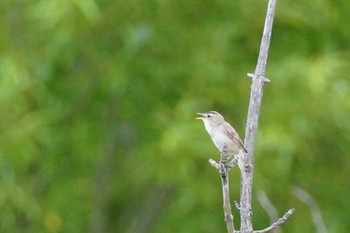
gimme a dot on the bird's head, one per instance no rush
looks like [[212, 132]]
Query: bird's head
[[211, 118]]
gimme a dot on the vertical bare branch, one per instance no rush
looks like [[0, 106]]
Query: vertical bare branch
[[227, 205], [258, 81], [223, 168], [246, 162]]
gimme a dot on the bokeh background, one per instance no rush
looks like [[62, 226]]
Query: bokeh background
[[98, 100]]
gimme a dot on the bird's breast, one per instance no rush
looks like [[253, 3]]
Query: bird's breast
[[220, 138]]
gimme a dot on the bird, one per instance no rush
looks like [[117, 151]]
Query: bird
[[222, 133]]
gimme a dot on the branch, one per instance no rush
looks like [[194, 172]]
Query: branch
[[258, 81], [278, 223], [246, 161], [223, 168]]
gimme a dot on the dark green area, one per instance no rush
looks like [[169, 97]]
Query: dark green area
[[98, 100]]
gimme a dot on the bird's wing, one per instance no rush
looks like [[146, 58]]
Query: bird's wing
[[231, 132]]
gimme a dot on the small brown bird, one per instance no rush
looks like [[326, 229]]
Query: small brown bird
[[222, 132]]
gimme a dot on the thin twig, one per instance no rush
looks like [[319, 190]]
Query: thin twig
[[278, 223], [223, 167], [214, 163]]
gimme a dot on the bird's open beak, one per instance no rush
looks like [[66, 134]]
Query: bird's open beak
[[200, 118]]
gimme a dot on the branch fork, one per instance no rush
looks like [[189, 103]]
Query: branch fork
[[263, 78], [245, 162], [223, 168], [224, 165]]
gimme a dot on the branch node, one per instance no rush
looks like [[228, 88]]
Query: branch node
[[214, 163], [247, 168], [265, 80], [229, 218], [237, 205], [250, 75], [223, 170]]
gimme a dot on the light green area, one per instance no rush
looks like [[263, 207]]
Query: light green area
[[98, 100]]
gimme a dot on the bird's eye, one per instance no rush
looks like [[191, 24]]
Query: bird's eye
[[208, 116]]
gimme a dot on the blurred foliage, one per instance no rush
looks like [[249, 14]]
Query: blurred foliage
[[98, 102]]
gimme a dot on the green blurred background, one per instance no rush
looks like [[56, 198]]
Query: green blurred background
[[98, 100]]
